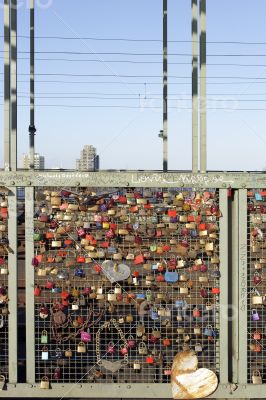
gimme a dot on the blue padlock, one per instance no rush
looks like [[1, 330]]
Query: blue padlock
[[154, 314], [208, 331], [111, 250], [258, 196], [140, 296], [79, 272], [179, 303], [193, 233], [154, 267], [98, 225], [56, 289], [255, 315]]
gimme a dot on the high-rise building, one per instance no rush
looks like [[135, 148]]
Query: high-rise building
[[89, 160], [39, 161]]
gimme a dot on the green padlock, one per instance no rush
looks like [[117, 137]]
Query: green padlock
[[148, 295], [44, 337]]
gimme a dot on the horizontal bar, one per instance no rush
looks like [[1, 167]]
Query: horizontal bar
[[217, 180], [118, 391]]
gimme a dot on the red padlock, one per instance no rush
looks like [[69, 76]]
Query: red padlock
[[152, 339], [203, 292], [111, 348], [160, 278], [149, 359], [123, 351], [136, 274], [166, 342], [57, 373], [203, 268], [216, 290], [119, 297], [257, 279], [37, 291], [49, 284], [97, 268], [196, 313], [131, 343]]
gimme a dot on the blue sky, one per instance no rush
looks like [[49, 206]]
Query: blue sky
[[127, 138]]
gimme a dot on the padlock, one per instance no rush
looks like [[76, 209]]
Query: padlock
[[37, 291], [184, 289], [85, 336], [131, 342], [256, 378], [136, 365], [196, 313], [121, 319], [45, 354], [111, 348], [4, 270], [255, 315], [257, 299], [167, 370], [197, 330], [123, 350], [44, 337], [81, 347], [148, 295], [58, 353], [68, 353], [154, 313], [166, 342], [203, 279], [208, 331], [118, 289], [75, 306], [198, 348], [129, 318], [209, 306], [257, 279], [257, 335], [142, 348], [215, 290], [45, 384], [2, 382], [203, 292], [111, 296], [149, 359]]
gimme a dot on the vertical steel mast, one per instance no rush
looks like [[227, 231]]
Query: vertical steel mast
[[195, 128], [7, 124], [203, 97], [32, 129], [165, 86], [13, 85]]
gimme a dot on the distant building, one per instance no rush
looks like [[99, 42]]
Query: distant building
[[89, 160], [39, 161]]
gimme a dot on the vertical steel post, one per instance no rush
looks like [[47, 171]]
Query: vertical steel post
[[235, 287], [13, 85], [203, 97], [32, 128], [165, 86], [195, 106], [30, 331], [243, 276], [12, 285], [224, 286], [6, 85]]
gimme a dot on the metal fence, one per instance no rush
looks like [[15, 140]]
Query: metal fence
[[201, 239]]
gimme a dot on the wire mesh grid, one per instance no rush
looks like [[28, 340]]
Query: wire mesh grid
[[123, 281], [4, 284], [256, 286]]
